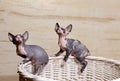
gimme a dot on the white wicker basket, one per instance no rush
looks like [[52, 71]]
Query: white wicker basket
[[98, 69]]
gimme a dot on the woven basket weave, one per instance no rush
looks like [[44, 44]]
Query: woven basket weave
[[98, 69]]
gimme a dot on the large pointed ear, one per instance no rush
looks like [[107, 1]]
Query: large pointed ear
[[11, 36], [69, 28], [56, 26], [25, 35]]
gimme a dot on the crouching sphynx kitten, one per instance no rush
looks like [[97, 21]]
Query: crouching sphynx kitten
[[35, 54], [71, 46]]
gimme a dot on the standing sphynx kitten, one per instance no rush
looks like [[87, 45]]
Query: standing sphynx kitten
[[71, 46], [33, 53]]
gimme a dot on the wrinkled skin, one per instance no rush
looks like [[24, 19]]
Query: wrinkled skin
[[33, 53], [71, 46]]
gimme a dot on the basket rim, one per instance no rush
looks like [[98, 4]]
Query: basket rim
[[92, 58], [22, 71]]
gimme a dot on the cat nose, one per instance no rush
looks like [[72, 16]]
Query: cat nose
[[18, 38], [60, 30]]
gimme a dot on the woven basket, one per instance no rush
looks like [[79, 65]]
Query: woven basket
[[98, 69]]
